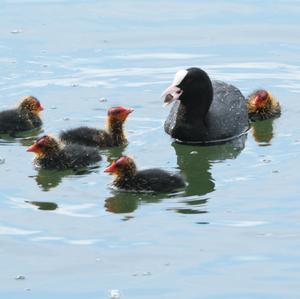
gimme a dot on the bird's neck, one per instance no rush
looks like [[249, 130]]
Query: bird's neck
[[51, 153], [191, 120], [125, 179], [195, 107], [116, 131], [24, 111], [29, 114], [192, 113]]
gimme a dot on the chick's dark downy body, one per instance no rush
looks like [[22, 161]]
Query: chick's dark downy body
[[155, 179], [92, 137], [23, 118], [113, 136]]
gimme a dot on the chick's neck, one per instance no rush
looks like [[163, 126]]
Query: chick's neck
[[116, 130]]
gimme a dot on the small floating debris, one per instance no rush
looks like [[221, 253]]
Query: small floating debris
[[114, 294], [266, 161], [127, 217], [103, 100], [27, 289], [20, 277], [146, 273], [2, 160], [74, 85], [66, 118], [16, 31], [193, 153]]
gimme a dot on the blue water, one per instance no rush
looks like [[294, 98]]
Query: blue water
[[233, 233]]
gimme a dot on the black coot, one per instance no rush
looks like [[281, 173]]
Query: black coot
[[206, 112]]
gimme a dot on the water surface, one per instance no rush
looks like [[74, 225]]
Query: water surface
[[233, 233]]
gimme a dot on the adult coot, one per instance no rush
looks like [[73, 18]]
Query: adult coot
[[51, 154], [205, 111], [24, 117], [113, 135], [262, 105], [155, 179]]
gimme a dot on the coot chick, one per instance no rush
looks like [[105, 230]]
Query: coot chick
[[23, 118], [262, 105], [113, 135], [155, 179], [51, 154], [205, 111]]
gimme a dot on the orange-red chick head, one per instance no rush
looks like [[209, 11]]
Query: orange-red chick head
[[260, 99], [123, 164], [119, 113], [31, 104], [43, 144]]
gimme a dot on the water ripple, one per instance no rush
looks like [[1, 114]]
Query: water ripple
[[7, 230], [88, 73]]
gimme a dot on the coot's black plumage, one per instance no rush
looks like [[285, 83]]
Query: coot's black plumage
[[262, 105], [51, 154], [205, 111], [155, 179], [23, 118], [112, 136]]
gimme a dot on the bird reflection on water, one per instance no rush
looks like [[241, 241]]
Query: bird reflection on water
[[262, 132], [48, 179], [44, 206], [195, 163]]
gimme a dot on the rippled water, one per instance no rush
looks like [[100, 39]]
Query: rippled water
[[233, 233]]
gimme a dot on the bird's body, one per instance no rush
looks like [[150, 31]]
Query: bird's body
[[87, 136], [152, 180], [112, 136], [50, 154], [205, 111], [23, 118]]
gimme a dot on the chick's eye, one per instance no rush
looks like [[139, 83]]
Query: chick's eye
[[114, 112]]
